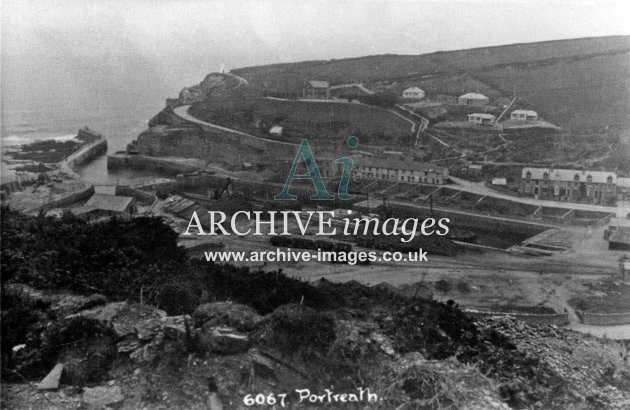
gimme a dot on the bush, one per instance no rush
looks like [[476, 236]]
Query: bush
[[178, 299], [161, 193], [443, 286], [383, 100], [86, 346], [264, 291], [299, 330], [117, 258], [21, 324]]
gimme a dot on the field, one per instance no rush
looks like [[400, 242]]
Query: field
[[604, 297], [304, 119], [569, 92]]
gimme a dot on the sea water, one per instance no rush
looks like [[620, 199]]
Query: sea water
[[120, 124]]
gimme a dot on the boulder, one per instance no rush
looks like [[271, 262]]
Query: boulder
[[51, 381], [148, 352], [147, 329], [214, 402], [128, 344], [127, 319], [223, 340], [174, 327], [66, 303], [262, 365], [105, 313], [100, 397], [235, 315]]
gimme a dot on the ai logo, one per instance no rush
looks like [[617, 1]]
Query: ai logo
[[304, 151]]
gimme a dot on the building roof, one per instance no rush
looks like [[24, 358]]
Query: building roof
[[482, 115], [319, 84], [109, 202], [397, 164], [474, 96], [621, 235], [599, 177], [525, 112], [413, 90], [276, 129], [177, 204]]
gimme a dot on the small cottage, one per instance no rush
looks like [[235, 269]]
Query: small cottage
[[481, 119], [473, 99], [524, 115], [316, 90], [413, 93]]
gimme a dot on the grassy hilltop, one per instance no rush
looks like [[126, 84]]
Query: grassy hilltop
[[579, 83]]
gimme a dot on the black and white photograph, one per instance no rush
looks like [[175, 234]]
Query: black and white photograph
[[326, 204]]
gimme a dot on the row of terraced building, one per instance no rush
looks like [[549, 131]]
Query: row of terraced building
[[575, 185]]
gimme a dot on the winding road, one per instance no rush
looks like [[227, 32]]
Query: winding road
[[621, 210]]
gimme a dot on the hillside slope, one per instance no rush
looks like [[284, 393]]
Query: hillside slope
[[575, 83]]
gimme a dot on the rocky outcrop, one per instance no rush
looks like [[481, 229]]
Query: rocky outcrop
[[214, 85], [172, 141], [161, 361], [168, 118]]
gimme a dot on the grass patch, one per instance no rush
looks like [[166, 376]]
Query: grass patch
[[605, 297]]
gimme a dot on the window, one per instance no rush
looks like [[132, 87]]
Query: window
[[576, 177], [609, 180], [528, 175], [589, 179]]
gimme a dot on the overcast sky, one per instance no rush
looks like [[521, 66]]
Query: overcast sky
[[175, 43]]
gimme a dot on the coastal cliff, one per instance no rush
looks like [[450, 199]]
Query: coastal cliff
[[214, 85]]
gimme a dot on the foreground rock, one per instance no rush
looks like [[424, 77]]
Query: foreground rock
[[51, 381], [240, 317], [223, 340], [102, 397], [157, 361]]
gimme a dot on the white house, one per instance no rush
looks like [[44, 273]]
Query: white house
[[474, 99], [413, 93], [482, 119], [524, 115], [276, 130]]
